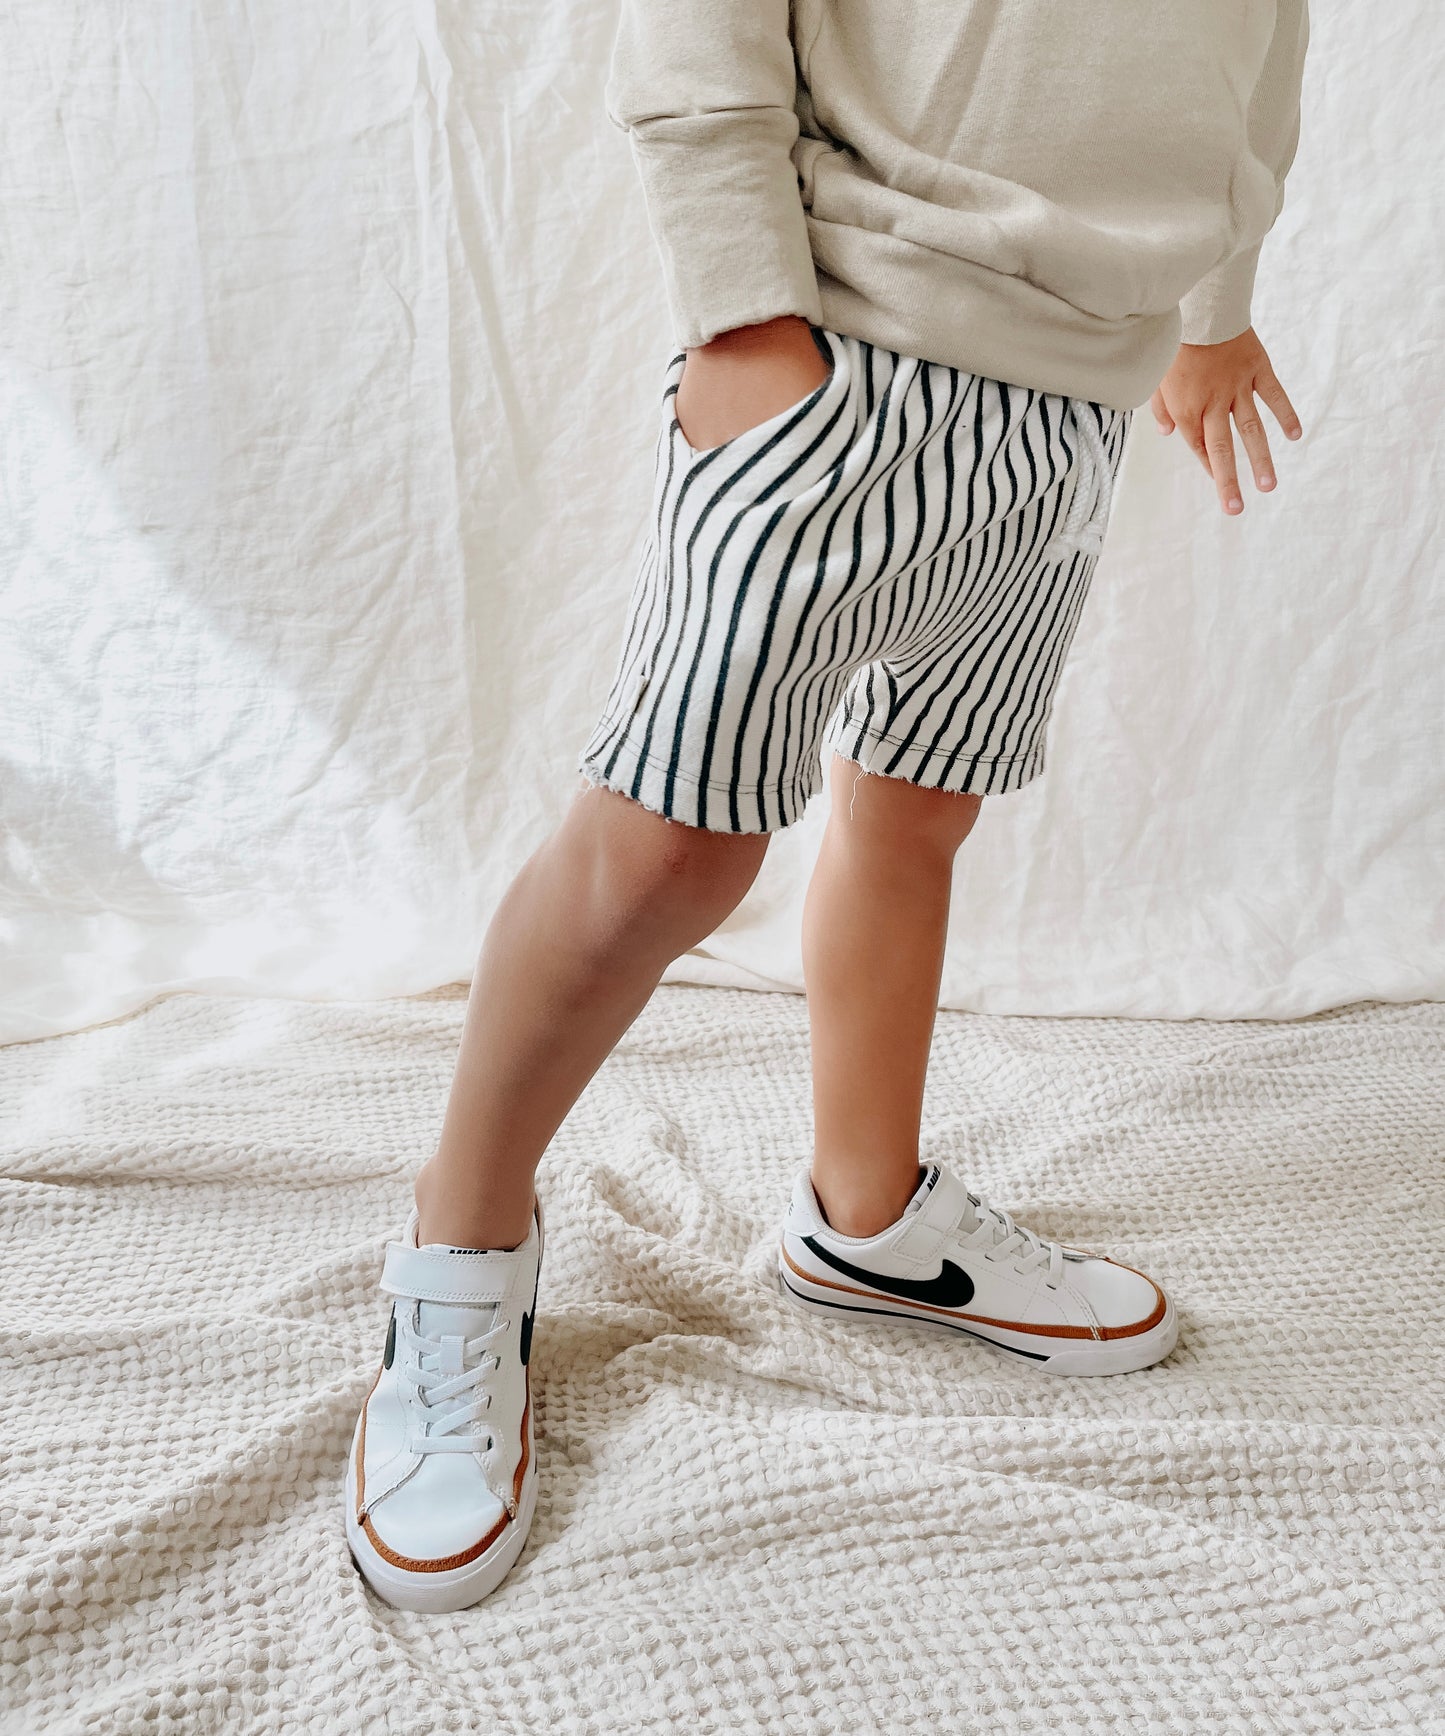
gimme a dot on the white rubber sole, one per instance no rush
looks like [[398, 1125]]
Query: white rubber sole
[[456, 1587], [1059, 1356]]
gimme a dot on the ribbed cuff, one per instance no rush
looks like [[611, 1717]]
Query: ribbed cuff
[[1218, 307], [724, 209]]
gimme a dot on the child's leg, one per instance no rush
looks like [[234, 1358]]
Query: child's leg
[[873, 935], [870, 1232], [572, 955]]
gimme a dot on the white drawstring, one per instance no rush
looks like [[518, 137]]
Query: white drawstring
[[1093, 495]]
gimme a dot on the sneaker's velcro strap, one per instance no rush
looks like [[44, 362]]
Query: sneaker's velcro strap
[[924, 1229], [427, 1275]]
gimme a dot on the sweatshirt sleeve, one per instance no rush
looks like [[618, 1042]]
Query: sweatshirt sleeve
[[1218, 307], [706, 91]]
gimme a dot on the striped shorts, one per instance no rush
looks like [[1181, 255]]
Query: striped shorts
[[894, 565]]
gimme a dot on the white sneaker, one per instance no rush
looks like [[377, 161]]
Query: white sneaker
[[442, 1478], [955, 1261]]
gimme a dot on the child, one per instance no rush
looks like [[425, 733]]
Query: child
[[923, 262]]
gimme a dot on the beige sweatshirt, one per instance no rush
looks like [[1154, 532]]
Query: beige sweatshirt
[[1049, 192]]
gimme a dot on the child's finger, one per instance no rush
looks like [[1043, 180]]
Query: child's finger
[[1274, 395], [1219, 446], [1256, 444], [1161, 412]]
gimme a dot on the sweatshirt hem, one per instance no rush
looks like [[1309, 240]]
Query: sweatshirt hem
[[919, 303]]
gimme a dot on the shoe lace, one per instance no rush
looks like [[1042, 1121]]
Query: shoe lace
[[1000, 1238], [460, 1397]]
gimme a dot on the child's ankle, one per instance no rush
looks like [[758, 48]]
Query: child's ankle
[[443, 1219], [862, 1207]]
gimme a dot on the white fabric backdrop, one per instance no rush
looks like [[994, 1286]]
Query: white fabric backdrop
[[332, 339]]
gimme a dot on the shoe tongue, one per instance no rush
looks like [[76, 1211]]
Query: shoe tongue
[[446, 1320]]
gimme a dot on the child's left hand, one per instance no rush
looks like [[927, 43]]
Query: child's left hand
[[1205, 386]]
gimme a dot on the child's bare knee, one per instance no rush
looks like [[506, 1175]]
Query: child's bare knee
[[704, 873], [657, 876]]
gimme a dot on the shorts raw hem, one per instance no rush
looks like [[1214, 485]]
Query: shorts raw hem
[[784, 807], [931, 768]]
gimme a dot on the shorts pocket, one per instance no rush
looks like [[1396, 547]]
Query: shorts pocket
[[781, 426]]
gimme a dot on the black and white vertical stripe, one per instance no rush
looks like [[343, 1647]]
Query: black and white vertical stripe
[[871, 568]]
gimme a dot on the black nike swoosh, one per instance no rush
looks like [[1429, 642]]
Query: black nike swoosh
[[527, 1319], [389, 1355], [952, 1288], [950, 1325]]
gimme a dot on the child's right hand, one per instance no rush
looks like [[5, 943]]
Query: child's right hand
[[744, 376]]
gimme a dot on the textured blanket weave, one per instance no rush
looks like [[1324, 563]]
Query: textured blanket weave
[[749, 1520]]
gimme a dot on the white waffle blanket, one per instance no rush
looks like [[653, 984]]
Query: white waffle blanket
[[750, 1521]]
